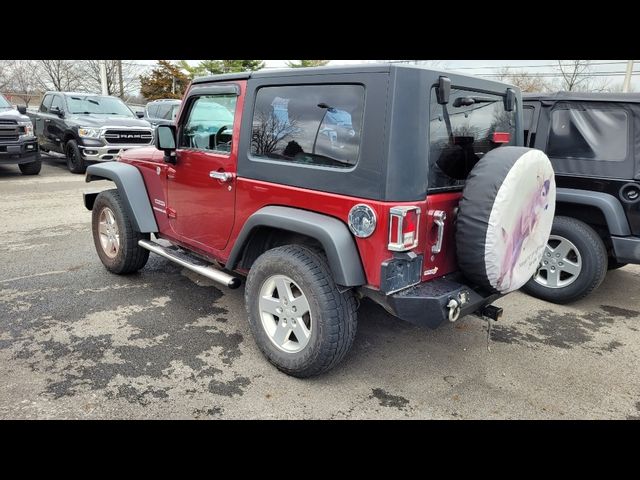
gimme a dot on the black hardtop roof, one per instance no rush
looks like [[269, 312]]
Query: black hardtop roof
[[583, 97], [338, 69]]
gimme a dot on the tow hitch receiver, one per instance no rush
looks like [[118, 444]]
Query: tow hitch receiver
[[492, 312]]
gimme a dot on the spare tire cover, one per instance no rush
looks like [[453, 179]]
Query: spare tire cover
[[505, 217]]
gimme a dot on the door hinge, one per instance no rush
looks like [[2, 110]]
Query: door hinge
[[171, 213]]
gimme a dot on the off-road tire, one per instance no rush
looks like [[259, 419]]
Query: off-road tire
[[333, 313], [32, 168], [594, 263], [130, 256], [75, 162]]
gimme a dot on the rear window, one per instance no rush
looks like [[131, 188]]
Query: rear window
[[317, 125], [462, 131], [589, 134]]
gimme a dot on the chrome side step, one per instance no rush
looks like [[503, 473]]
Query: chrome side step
[[187, 262]]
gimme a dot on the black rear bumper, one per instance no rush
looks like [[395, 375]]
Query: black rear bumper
[[426, 304], [626, 249]]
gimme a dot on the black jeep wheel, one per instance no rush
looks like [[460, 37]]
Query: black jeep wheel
[[75, 162], [32, 168], [573, 265], [115, 239], [302, 323]]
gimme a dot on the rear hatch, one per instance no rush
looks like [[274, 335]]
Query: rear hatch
[[461, 132]]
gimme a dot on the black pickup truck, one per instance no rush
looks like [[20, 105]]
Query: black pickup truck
[[18, 145], [87, 127]]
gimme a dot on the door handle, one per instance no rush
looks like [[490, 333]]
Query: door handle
[[222, 176], [47, 121], [438, 218]]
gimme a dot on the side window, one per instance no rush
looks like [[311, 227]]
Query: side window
[[210, 123], [57, 102], [46, 104], [152, 110], [309, 124], [527, 120], [163, 110], [589, 134]]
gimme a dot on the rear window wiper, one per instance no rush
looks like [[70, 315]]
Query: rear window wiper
[[468, 101]]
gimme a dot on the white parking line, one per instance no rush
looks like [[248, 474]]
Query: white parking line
[[34, 275]]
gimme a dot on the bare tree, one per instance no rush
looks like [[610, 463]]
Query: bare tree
[[5, 73], [576, 75], [525, 81], [268, 131], [129, 74], [24, 80], [60, 75]]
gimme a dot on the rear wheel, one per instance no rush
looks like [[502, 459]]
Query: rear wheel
[[114, 237], [32, 168], [75, 162], [300, 320], [573, 265]]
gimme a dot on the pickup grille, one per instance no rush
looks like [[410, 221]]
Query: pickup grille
[[9, 132], [140, 137]]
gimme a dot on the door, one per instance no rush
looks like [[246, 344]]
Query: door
[[201, 185], [56, 125], [42, 120]]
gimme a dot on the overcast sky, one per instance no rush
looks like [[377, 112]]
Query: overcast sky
[[611, 71]]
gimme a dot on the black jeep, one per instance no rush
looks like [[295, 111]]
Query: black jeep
[[593, 141]]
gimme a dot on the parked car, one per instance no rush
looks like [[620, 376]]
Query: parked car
[[87, 127], [18, 145], [322, 195], [162, 112], [592, 141]]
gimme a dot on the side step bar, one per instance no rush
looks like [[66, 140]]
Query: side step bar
[[185, 261]]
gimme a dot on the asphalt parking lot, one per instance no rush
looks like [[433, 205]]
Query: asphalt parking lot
[[79, 342]]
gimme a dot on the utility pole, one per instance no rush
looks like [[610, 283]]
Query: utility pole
[[103, 77], [627, 76], [120, 79]]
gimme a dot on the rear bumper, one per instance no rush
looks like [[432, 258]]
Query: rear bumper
[[426, 304], [17, 153], [626, 249]]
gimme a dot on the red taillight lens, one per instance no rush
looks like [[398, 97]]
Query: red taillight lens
[[403, 228], [501, 137]]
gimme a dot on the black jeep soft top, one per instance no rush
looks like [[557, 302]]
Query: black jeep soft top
[[593, 141]]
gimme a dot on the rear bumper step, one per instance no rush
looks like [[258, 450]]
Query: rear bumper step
[[192, 264]]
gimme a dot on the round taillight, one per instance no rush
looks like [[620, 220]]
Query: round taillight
[[362, 220]]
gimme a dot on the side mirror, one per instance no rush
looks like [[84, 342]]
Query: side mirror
[[443, 90], [140, 114], [166, 141], [56, 111], [510, 100], [22, 109]]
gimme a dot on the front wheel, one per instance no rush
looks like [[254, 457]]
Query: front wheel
[[573, 265], [114, 237], [300, 320], [75, 162], [32, 168]]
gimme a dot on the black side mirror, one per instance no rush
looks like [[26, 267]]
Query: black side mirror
[[140, 114], [166, 141], [510, 100], [443, 90], [56, 111], [22, 109]]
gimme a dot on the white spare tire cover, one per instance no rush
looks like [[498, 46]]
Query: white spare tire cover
[[505, 217]]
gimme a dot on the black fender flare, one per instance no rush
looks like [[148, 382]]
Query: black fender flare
[[131, 188], [608, 204], [333, 235]]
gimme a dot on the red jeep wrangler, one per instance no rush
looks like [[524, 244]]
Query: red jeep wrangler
[[326, 185]]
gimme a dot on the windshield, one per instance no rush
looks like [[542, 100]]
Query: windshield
[[4, 103], [98, 105], [463, 131]]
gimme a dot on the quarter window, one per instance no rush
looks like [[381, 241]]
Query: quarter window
[[210, 123], [589, 134], [316, 125]]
